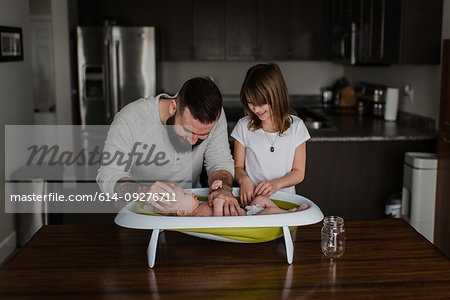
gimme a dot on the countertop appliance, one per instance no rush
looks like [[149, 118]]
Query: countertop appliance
[[116, 65]]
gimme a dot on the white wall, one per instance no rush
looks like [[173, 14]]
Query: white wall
[[301, 77], [424, 79], [16, 101]]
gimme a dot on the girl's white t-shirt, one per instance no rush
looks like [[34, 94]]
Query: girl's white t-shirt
[[262, 164]]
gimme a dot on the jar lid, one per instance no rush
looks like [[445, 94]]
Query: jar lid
[[333, 220]]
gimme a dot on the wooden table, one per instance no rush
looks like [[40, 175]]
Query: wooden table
[[385, 258]]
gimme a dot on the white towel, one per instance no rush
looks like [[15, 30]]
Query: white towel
[[253, 209]]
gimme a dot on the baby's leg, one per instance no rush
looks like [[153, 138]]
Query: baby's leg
[[302, 206], [271, 208]]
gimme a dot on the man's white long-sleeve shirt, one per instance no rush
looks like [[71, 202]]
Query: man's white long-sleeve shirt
[[138, 137]]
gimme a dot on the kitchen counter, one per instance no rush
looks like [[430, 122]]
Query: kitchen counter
[[344, 125], [384, 259]]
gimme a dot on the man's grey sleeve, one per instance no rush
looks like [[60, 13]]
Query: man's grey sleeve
[[218, 155], [118, 142]]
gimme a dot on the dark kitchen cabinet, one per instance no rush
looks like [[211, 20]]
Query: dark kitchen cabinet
[[209, 29], [219, 30], [442, 208], [91, 13], [193, 30], [120, 12], [354, 179], [370, 32], [176, 30], [277, 30], [272, 33], [293, 30], [420, 32], [308, 30], [442, 221], [141, 12], [240, 29]]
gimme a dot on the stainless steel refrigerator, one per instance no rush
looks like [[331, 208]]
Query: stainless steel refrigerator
[[116, 65]]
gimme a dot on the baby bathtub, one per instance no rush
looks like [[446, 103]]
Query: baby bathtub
[[236, 229]]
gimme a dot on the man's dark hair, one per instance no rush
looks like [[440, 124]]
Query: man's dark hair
[[203, 99]]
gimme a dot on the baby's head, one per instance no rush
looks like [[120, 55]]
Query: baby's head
[[185, 202]]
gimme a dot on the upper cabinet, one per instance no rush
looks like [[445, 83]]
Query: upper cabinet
[[366, 32], [209, 29], [119, 12], [240, 29], [277, 30], [271, 30], [309, 31], [371, 32], [420, 32], [176, 29]]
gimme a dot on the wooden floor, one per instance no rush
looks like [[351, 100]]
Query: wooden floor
[[384, 259]]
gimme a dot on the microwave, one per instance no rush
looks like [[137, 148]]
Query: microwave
[[344, 46], [351, 47], [364, 33]]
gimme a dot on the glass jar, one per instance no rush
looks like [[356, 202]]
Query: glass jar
[[333, 236]]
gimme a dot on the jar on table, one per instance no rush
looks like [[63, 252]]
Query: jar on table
[[333, 236]]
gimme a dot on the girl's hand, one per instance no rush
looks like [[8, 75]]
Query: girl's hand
[[246, 191], [265, 188]]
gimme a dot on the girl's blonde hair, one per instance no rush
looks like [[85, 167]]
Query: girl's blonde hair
[[264, 84]]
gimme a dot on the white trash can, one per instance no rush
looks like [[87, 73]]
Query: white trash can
[[419, 192]]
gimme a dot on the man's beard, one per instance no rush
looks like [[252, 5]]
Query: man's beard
[[180, 144]]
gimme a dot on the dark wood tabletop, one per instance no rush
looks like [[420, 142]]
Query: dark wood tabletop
[[384, 259]]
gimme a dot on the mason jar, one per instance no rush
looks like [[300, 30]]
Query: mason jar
[[333, 236]]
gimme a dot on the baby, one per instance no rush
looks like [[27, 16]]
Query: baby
[[187, 204]]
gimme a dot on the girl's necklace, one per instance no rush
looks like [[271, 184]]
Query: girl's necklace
[[272, 149]]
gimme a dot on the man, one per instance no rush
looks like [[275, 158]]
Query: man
[[173, 154]]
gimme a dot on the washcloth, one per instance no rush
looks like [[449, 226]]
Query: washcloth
[[253, 209]]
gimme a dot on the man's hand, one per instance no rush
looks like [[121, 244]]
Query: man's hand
[[228, 204], [159, 194]]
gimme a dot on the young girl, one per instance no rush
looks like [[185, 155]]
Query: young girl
[[269, 147]]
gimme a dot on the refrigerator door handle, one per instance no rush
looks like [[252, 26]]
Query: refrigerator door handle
[[116, 78], [108, 79]]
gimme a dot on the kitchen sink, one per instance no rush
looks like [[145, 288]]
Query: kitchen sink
[[313, 119], [318, 125]]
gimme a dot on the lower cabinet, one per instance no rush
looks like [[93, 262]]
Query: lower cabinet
[[354, 179]]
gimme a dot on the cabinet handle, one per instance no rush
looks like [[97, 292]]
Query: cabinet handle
[[353, 43]]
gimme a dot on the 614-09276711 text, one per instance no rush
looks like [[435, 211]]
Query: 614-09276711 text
[[98, 196]]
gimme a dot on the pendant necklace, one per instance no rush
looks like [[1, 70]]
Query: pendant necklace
[[272, 149]]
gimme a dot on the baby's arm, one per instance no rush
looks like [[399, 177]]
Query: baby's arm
[[217, 184]]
